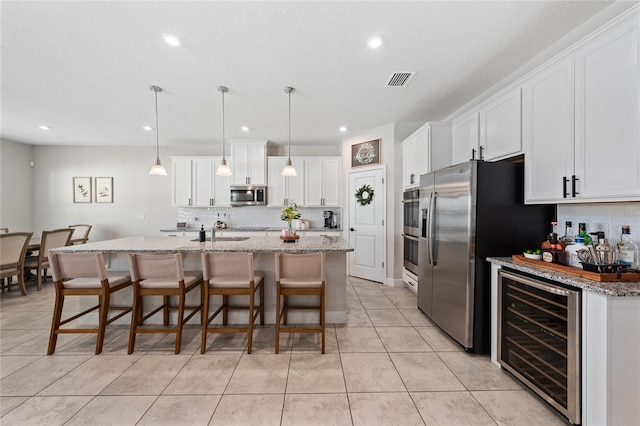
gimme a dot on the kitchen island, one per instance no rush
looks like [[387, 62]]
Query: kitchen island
[[263, 248], [609, 341]]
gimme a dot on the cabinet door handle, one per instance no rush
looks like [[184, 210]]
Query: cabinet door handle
[[189, 201], [247, 180], [412, 178], [481, 153], [564, 187], [574, 179], [473, 153]]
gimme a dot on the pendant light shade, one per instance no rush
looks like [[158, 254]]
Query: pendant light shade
[[157, 169], [223, 168], [288, 169]]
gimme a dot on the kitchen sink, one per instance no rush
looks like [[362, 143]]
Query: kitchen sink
[[216, 239]]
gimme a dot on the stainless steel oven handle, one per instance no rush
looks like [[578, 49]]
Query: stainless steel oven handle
[[537, 284], [410, 237]]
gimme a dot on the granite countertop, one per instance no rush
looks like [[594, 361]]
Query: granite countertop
[[272, 244], [251, 229], [610, 288]]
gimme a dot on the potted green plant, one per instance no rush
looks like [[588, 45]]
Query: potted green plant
[[289, 213]]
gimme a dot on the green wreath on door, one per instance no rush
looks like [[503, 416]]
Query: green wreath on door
[[364, 195]]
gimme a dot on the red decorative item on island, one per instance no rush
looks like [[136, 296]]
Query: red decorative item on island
[[289, 238]]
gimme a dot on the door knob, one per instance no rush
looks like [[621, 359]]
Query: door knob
[[351, 229]]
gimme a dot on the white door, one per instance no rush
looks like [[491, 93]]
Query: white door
[[366, 227]]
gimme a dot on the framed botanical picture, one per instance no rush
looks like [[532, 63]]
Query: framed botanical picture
[[104, 190], [81, 189], [365, 153]]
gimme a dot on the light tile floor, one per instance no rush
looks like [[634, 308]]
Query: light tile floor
[[388, 366]]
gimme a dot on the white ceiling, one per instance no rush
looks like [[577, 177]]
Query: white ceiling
[[84, 68]]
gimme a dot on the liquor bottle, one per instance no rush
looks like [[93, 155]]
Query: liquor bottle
[[628, 249], [573, 249], [568, 237], [582, 231]]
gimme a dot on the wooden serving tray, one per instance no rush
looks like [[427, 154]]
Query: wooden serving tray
[[626, 276]]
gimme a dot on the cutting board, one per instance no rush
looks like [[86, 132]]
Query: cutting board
[[627, 276]]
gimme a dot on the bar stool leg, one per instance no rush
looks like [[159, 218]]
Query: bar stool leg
[[205, 318], [135, 319], [55, 322], [251, 313], [277, 317], [181, 298], [262, 303], [322, 319], [102, 321]]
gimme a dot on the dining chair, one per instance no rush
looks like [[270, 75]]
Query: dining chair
[[13, 247], [299, 275], [231, 274], [80, 234], [84, 274], [50, 240], [161, 275]]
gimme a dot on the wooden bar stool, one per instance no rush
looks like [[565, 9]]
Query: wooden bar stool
[[299, 275], [84, 274], [231, 274], [161, 275]]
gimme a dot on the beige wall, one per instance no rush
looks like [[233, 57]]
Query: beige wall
[[16, 186]]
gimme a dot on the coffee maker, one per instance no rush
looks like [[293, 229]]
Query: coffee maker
[[328, 218]]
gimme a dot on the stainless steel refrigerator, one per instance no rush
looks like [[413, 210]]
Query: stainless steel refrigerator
[[471, 211]]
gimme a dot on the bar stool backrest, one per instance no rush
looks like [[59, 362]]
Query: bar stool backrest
[[305, 265], [222, 265], [13, 247], [65, 266], [146, 266]]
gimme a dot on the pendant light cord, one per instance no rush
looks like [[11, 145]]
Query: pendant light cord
[[223, 134], [157, 130], [289, 125]]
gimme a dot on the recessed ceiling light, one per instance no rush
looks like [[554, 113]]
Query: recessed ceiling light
[[343, 129], [147, 128], [245, 128], [171, 39], [45, 127], [374, 42]]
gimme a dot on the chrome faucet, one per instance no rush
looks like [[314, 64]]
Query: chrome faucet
[[213, 232]]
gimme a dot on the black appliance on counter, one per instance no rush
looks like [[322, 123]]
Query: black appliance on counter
[[468, 212], [330, 219]]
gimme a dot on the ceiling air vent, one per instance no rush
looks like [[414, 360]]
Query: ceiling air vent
[[399, 79]]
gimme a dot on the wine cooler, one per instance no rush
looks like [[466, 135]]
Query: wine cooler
[[539, 339]]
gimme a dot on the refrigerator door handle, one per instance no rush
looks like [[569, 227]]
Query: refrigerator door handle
[[430, 232]]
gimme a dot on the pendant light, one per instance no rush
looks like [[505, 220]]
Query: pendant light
[[157, 169], [223, 169], [288, 169]]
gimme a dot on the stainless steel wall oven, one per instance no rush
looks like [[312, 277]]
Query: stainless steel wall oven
[[411, 229], [539, 339]]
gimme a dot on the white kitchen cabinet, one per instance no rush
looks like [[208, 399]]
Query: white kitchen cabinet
[[607, 119], [547, 120], [195, 183], [500, 126], [248, 162], [426, 149], [466, 138], [596, 92], [410, 175], [282, 189], [322, 182]]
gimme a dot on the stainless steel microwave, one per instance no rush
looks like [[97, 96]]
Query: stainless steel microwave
[[248, 195]]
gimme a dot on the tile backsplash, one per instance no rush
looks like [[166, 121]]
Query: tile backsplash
[[608, 217], [253, 216]]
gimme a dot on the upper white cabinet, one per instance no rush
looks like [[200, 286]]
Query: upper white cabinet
[[500, 126], [248, 162], [490, 133], [195, 183], [596, 92], [282, 189], [465, 138], [547, 131], [607, 120], [322, 182], [427, 149]]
